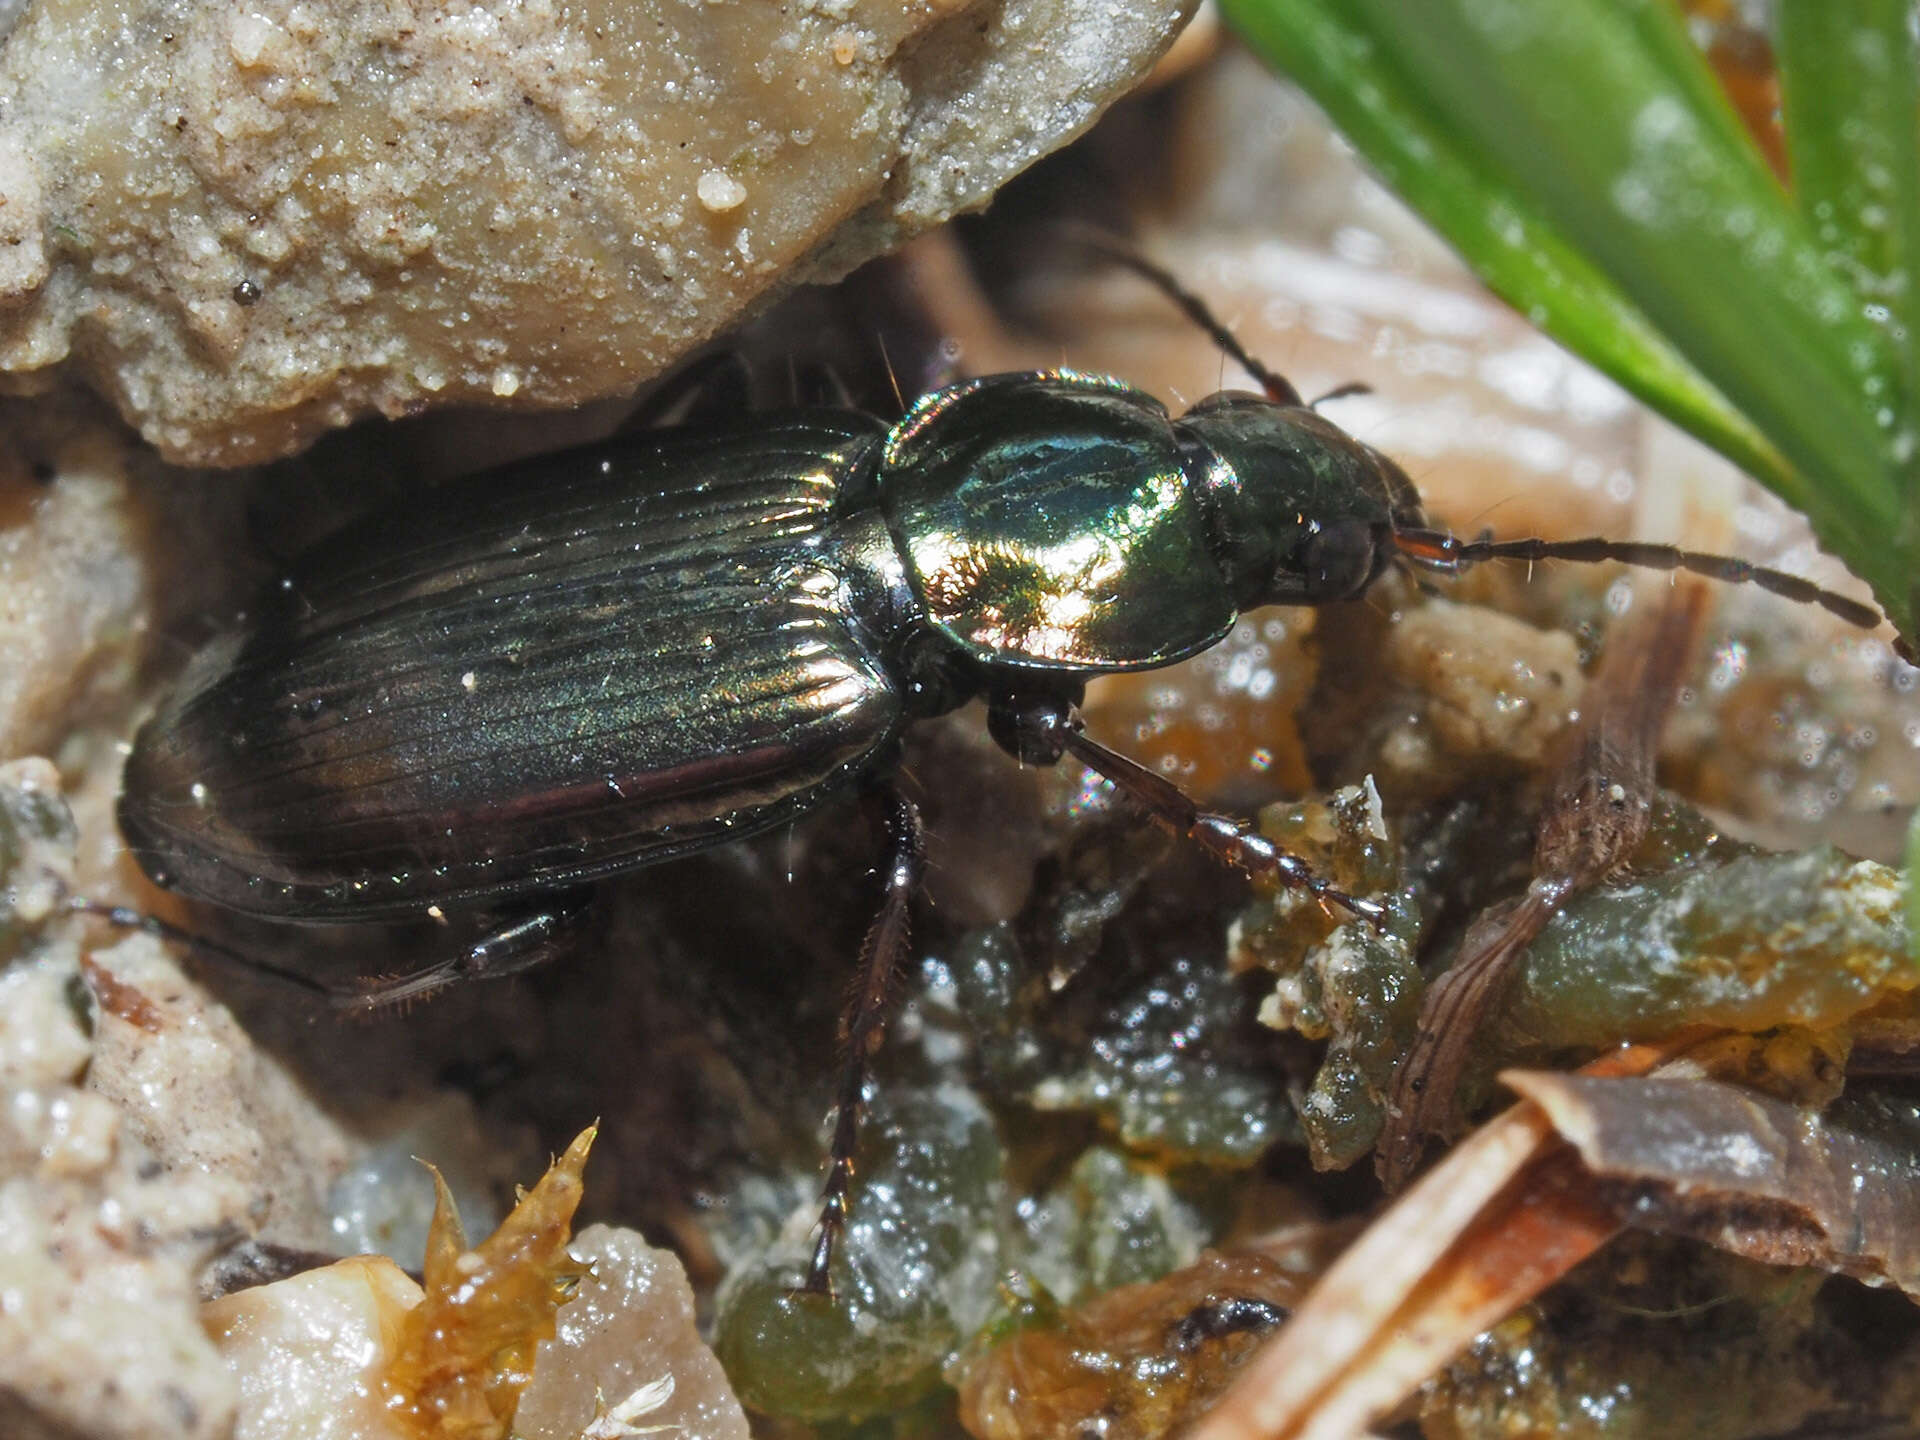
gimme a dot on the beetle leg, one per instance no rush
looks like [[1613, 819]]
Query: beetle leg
[[1230, 841], [524, 944], [818, 383], [126, 918], [1038, 728], [715, 387], [512, 949], [863, 1025]]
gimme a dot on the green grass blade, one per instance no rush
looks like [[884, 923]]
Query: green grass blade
[[1913, 887], [1850, 78], [1519, 255], [1591, 130]]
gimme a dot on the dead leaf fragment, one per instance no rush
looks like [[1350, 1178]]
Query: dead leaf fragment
[[1134, 1363], [1504, 1215], [1756, 1175]]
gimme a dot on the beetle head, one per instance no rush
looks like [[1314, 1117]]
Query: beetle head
[[1299, 512]]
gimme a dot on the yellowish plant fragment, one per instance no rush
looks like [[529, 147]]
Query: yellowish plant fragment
[[467, 1349]]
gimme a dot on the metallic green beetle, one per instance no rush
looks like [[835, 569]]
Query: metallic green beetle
[[595, 661], [599, 660]]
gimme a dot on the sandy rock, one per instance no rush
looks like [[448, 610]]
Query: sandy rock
[[100, 1244], [98, 1337], [72, 593], [93, 556], [250, 222], [204, 1101], [41, 1042], [141, 1135]]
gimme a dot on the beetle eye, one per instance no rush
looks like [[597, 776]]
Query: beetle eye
[[1338, 560]]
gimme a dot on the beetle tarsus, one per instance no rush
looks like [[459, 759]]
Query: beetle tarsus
[[1232, 842], [863, 1025], [513, 949], [526, 943]]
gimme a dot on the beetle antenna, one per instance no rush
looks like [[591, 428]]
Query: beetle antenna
[[1440, 551], [1341, 392], [1279, 389], [893, 375], [717, 384]]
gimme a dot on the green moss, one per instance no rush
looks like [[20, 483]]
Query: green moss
[[917, 1274], [1757, 941]]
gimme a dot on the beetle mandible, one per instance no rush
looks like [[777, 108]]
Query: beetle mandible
[[600, 660]]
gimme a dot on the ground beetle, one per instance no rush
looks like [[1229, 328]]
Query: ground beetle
[[598, 660]]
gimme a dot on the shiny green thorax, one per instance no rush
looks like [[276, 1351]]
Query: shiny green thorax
[[1066, 521], [1045, 521]]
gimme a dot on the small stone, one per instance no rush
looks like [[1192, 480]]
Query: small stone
[[628, 1350], [720, 192]]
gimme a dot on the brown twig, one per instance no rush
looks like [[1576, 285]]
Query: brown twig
[[1599, 804]]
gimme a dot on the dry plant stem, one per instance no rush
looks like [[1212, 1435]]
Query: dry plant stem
[[1420, 1103], [1597, 812], [1355, 1300], [1504, 1216], [1531, 1235], [1599, 807]]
